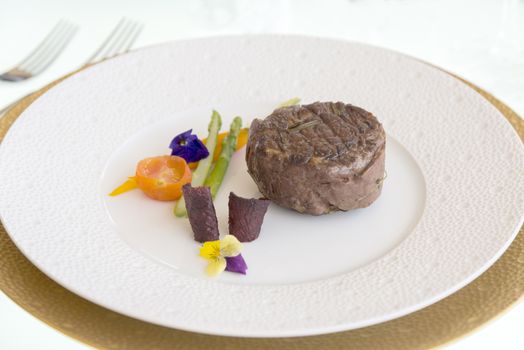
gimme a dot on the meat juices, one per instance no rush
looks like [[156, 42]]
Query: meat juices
[[318, 158]]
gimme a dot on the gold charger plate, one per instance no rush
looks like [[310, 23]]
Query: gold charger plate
[[486, 297]]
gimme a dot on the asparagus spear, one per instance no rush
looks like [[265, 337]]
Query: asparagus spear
[[290, 102], [200, 174], [214, 179]]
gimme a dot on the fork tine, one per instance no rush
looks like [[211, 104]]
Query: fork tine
[[132, 38], [44, 52], [114, 41], [119, 40], [57, 29], [56, 50], [106, 42], [126, 34]]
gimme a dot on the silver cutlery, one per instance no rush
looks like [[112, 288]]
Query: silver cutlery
[[44, 54], [119, 41]]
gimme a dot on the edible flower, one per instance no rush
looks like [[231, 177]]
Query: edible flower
[[236, 264], [189, 147], [223, 255]]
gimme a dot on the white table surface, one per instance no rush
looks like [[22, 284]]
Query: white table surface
[[482, 41]]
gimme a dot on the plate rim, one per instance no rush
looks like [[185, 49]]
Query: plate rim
[[16, 288], [342, 327]]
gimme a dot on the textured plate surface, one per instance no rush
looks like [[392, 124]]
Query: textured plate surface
[[288, 249], [486, 297], [439, 122]]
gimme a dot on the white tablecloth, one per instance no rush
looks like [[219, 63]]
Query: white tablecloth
[[482, 41]]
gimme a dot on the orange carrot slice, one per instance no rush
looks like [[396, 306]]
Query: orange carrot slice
[[129, 185]]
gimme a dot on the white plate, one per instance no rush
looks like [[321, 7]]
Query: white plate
[[451, 204]]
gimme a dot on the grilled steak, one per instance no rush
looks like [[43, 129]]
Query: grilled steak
[[318, 158]]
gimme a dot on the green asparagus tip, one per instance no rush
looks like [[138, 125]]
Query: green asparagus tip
[[237, 120], [215, 178], [291, 102], [214, 115]]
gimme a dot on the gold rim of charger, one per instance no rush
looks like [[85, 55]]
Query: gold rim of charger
[[486, 297]]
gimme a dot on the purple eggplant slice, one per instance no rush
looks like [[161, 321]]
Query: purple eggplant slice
[[246, 217], [201, 213]]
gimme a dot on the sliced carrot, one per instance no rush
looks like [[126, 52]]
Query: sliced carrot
[[129, 185], [242, 138]]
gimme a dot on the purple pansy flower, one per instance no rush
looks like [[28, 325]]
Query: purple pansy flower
[[189, 147], [236, 264]]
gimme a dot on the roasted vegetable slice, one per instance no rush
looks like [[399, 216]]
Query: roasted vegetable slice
[[201, 213], [246, 217]]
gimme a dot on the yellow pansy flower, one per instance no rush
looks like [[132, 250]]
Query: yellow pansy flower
[[216, 252]]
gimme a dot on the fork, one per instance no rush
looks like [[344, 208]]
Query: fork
[[44, 54], [119, 41]]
